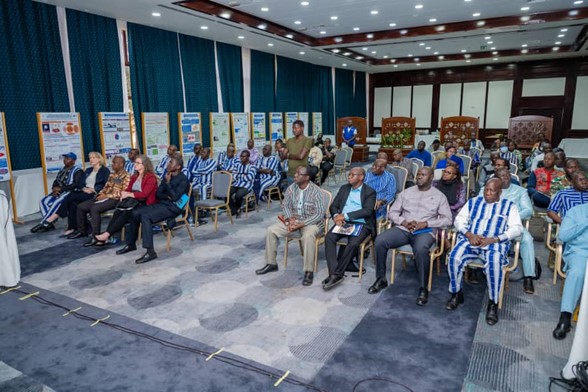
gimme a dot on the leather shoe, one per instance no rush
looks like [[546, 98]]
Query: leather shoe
[[75, 234], [148, 256], [267, 268], [46, 227], [492, 313], [379, 284], [423, 297], [334, 280], [36, 228], [308, 277], [92, 242], [455, 300], [126, 249], [561, 330], [528, 285]]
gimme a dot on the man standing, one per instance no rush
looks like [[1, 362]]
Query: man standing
[[106, 200], [227, 160], [421, 153], [349, 134], [417, 213], [172, 194], [304, 211], [297, 149], [268, 171], [383, 182], [567, 199], [485, 227], [354, 204], [130, 163], [574, 232], [162, 165], [243, 178], [399, 161]]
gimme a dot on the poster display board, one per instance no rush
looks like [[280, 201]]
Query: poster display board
[[190, 131], [115, 134], [240, 129], [220, 132], [155, 128], [303, 116], [5, 166], [276, 126], [317, 123], [290, 118], [258, 129]]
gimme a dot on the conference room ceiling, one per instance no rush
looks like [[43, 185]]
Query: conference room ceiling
[[372, 35]]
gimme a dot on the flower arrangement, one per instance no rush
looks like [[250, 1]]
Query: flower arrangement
[[396, 138]]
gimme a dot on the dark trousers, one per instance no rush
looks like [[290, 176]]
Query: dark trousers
[[119, 219], [326, 168], [539, 199], [70, 205], [147, 216], [394, 238], [94, 209], [337, 264], [236, 200]]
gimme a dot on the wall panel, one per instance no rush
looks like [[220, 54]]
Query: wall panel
[[499, 104], [449, 100], [473, 100], [382, 104], [543, 87], [422, 105], [580, 116], [401, 101]]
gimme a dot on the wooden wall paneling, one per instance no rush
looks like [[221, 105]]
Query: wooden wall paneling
[[459, 128], [568, 114], [435, 109], [525, 130], [398, 132], [359, 123]]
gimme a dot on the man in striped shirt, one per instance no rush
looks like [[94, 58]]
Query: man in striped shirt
[[243, 178], [201, 175], [304, 211], [130, 163], [162, 165], [566, 199], [268, 171], [485, 227], [194, 161], [383, 182], [226, 160]]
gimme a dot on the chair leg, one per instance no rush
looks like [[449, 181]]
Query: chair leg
[[216, 219], [316, 245], [431, 273], [361, 250], [286, 253], [168, 243], [189, 231], [301, 248], [230, 214], [392, 266]]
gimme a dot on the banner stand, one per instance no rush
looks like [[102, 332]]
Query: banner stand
[[4, 139]]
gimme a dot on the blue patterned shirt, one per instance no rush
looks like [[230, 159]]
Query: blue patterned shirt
[[567, 199], [244, 175]]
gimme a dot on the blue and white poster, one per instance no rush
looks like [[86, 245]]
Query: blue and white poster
[[290, 118], [115, 134], [258, 127], [190, 131], [276, 126]]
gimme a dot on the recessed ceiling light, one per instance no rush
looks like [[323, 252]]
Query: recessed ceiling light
[[490, 42], [467, 1], [441, 57], [467, 61], [525, 8], [403, 32], [270, 44], [297, 22], [525, 18], [563, 30], [344, 64], [304, 3], [225, 15], [385, 56], [495, 59], [374, 12], [418, 65], [370, 36], [301, 52], [323, 32], [262, 26], [561, 35], [374, 52], [435, 53], [558, 42], [241, 37], [356, 29], [440, 28], [392, 25], [493, 48], [523, 45], [359, 58], [422, 44], [265, 9], [395, 65], [289, 36], [480, 23], [494, 53], [476, 14], [428, 48], [346, 53], [338, 39], [410, 55], [416, 59], [525, 51], [463, 50], [334, 17], [364, 48], [418, 6], [487, 37], [555, 48], [573, 13], [335, 50], [203, 27], [156, 14], [432, 20], [578, 2]]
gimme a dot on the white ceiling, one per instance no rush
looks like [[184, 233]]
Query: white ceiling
[[316, 18]]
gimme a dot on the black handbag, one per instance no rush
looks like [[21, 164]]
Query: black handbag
[[127, 204]]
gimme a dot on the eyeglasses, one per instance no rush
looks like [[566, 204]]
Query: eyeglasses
[[138, 163], [449, 172], [353, 174]]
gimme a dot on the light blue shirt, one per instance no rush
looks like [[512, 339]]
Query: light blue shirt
[[353, 203]]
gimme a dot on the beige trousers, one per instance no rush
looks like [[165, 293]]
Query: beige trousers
[[279, 230]]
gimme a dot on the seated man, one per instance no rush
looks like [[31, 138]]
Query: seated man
[[162, 165], [268, 170], [506, 154], [488, 169], [485, 227], [450, 152], [421, 153], [416, 213], [501, 163], [194, 160], [398, 160], [130, 163], [201, 174], [564, 182], [243, 178], [227, 159], [539, 156], [304, 211], [353, 204], [435, 146], [253, 153], [69, 178], [518, 195], [567, 199], [172, 194], [383, 182], [328, 159], [574, 232], [539, 182], [105, 200], [475, 143]]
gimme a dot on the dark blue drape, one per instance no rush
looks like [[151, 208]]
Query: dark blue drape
[[350, 101], [263, 84], [32, 76], [199, 79], [359, 98], [230, 71], [96, 72], [156, 82]]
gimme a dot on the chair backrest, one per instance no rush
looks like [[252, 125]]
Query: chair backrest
[[415, 169], [221, 184], [467, 164], [435, 153], [513, 168], [515, 177], [340, 157], [418, 162], [400, 175], [327, 200], [477, 151]]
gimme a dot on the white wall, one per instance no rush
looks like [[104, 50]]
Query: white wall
[[449, 100], [422, 105], [474, 99], [499, 104], [382, 104], [401, 101], [580, 114], [543, 87]]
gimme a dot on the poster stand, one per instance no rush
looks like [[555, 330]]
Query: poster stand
[[6, 166], [240, 130], [276, 126], [317, 123], [115, 134], [155, 128], [220, 132], [258, 127], [190, 127]]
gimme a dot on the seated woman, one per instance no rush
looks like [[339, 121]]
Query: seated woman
[[95, 179], [452, 187], [513, 148], [451, 151], [540, 180], [142, 187]]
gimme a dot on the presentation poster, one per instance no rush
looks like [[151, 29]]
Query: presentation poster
[[240, 127], [220, 132], [155, 135], [276, 126], [317, 123], [190, 131], [258, 128], [115, 134], [5, 172], [303, 116], [290, 118], [59, 133]]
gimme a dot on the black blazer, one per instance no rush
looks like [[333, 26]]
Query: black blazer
[[101, 178], [367, 212]]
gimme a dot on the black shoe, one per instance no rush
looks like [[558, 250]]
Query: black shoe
[[147, 257], [46, 227], [492, 313], [379, 284], [75, 234], [423, 297], [92, 242], [528, 285], [560, 332], [455, 300], [267, 268], [334, 280], [308, 277], [36, 228], [126, 249], [473, 276], [202, 222], [326, 280]]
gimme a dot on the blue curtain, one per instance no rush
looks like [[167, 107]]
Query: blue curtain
[[199, 79], [230, 71], [32, 77], [96, 72], [156, 82], [359, 97], [263, 84], [350, 101]]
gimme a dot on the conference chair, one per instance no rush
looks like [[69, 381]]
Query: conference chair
[[555, 246], [366, 244], [513, 168], [181, 221], [339, 165], [221, 192], [400, 175], [273, 190], [248, 199], [419, 163], [466, 175]]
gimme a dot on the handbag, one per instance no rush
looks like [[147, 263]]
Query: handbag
[[127, 204]]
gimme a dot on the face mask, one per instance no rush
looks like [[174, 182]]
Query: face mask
[[503, 149]]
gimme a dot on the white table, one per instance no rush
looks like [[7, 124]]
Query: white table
[[579, 350]]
